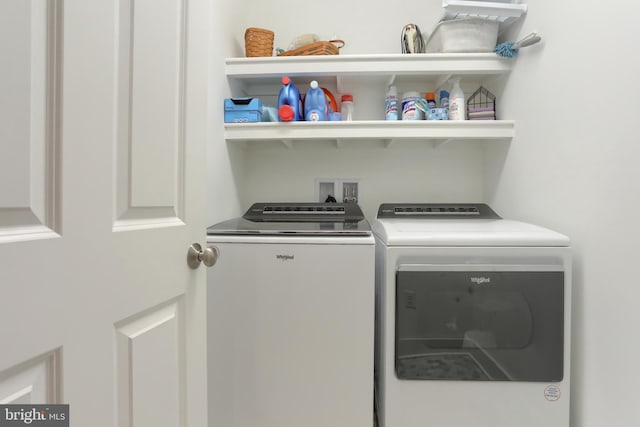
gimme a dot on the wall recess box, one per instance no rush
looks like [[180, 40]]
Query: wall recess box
[[343, 190]]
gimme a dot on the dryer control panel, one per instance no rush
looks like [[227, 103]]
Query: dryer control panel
[[436, 211]]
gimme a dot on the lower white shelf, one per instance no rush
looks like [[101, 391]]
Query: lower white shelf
[[437, 132]]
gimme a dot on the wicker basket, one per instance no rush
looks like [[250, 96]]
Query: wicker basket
[[332, 47], [258, 42]]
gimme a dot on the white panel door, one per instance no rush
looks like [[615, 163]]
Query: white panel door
[[103, 116]]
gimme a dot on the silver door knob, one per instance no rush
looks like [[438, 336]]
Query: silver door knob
[[208, 256]]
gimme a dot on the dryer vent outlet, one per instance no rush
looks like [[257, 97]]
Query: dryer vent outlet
[[326, 191]]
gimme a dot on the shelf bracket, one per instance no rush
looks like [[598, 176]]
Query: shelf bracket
[[287, 143], [387, 143], [440, 143], [339, 83], [442, 80], [339, 143], [391, 80], [238, 86]]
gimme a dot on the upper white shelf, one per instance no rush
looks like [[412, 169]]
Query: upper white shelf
[[268, 70]]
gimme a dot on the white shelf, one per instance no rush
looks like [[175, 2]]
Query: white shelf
[[388, 132], [261, 75], [339, 69]]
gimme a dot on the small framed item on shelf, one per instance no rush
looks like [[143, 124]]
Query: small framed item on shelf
[[481, 105]]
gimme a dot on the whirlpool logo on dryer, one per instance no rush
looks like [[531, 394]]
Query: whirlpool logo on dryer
[[282, 257], [480, 280]]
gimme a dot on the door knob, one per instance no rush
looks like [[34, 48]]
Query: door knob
[[208, 256]]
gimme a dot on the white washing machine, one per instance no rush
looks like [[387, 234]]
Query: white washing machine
[[291, 317], [472, 319]]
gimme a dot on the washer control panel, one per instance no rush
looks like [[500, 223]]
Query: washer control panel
[[304, 212]]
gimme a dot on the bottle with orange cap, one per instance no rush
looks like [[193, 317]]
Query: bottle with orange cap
[[431, 99], [289, 102]]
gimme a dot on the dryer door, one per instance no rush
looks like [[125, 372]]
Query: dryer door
[[481, 325]]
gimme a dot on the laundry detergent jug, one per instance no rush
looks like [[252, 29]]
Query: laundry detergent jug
[[315, 104], [289, 102]]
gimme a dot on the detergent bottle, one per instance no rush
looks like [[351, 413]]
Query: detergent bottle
[[289, 102], [315, 104]]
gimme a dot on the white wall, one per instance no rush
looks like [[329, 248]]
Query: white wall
[[408, 173], [367, 26], [223, 184], [570, 167], [573, 167], [404, 172]]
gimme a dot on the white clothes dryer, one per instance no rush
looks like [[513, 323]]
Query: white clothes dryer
[[472, 319], [291, 317]]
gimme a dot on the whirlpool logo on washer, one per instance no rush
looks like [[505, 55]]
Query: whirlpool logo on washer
[[480, 280], [285, 257]]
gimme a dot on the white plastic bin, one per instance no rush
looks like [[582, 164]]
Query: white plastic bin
[[464, 35]]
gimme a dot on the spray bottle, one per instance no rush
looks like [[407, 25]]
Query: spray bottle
[[391, 104]]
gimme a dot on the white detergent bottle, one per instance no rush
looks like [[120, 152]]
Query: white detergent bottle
[[457, 105]]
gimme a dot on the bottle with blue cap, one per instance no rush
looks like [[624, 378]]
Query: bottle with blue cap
[[444, 99]]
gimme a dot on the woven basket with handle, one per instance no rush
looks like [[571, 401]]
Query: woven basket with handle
[[258, 42], [331, 47]]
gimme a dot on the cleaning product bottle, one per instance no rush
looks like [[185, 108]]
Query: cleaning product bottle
[[391, 104], [315, 104], [444, 99], [456, 102], [431, 99], [347, 107], [410, 111], [289, 102]]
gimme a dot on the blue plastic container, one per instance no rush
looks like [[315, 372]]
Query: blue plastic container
[[315, 104], [242, 110], [438, 114], [289, 102]]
